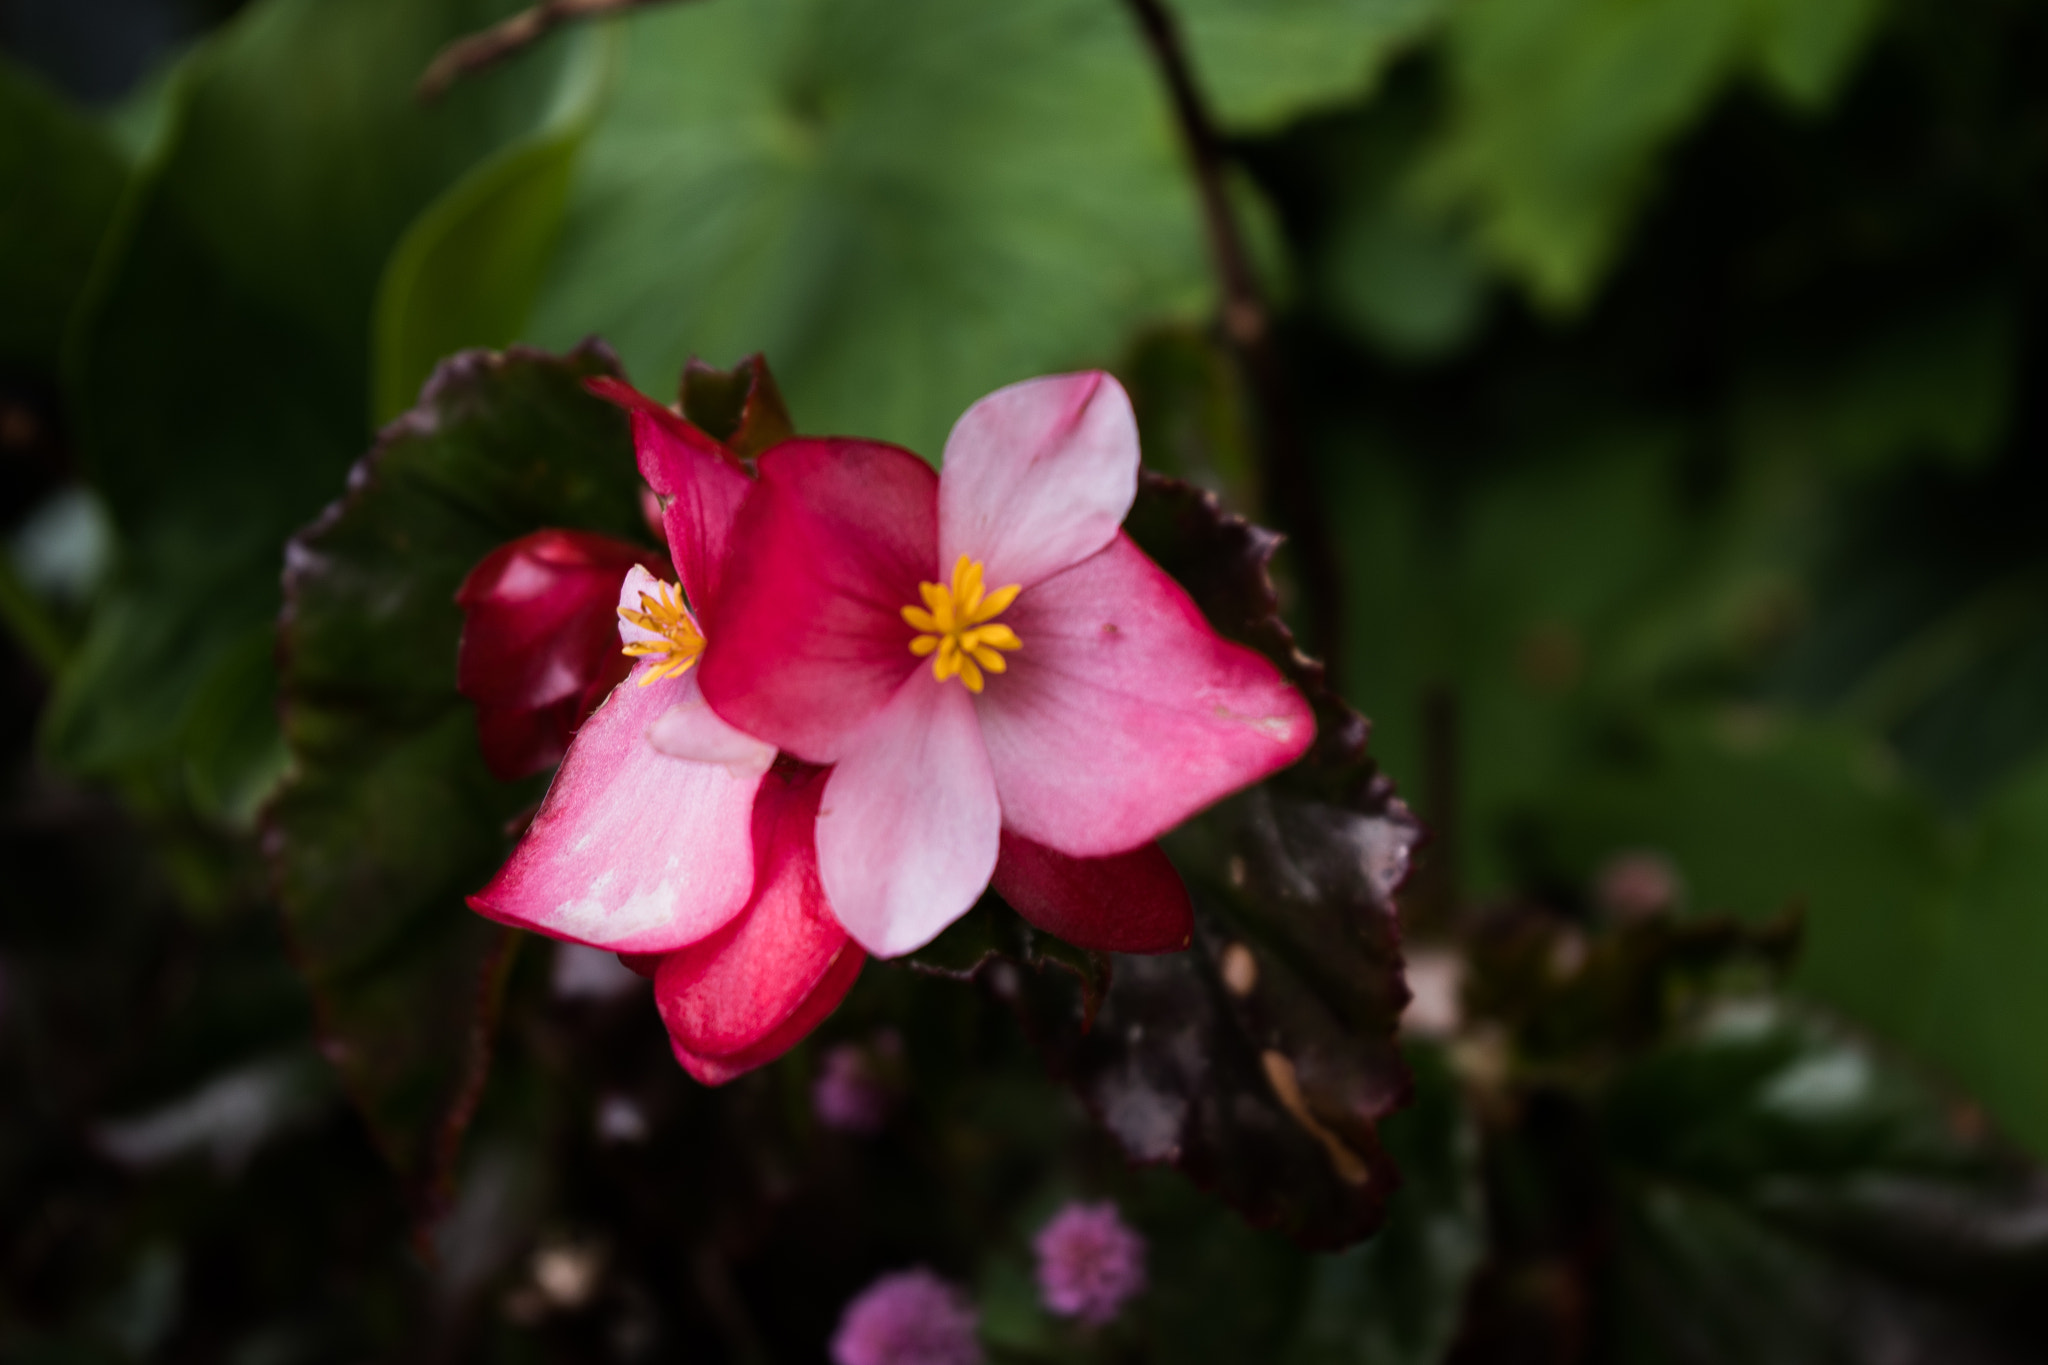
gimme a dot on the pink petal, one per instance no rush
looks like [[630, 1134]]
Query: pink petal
[[1126, 903], [1038, 476], [693, 731], [632, 850], [783, 958], [538, 650], [808, 638], [700, 481], [812, 1012], [908, 832], [1124, 713]]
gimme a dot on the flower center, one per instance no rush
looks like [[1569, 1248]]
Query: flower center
[[956, 626], [677, 642]]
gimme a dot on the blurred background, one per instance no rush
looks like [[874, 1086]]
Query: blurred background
[[1665, 384]]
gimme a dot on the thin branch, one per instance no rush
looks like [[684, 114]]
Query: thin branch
[[1289, 484], [466, 56]]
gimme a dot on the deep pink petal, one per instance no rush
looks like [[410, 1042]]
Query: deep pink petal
[[539, 649], [908, 832], [1124, 713], [814, 1010], [807, 635], [1038, 476], [699, 480], [1131, 902], [723, 997], [632, 850]]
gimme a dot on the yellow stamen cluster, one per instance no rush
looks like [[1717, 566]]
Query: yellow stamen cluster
[[955, 626], [680, 643]]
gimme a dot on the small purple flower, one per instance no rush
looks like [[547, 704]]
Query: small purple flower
[[1090, 1263], [850, 1093], [910, 1318]]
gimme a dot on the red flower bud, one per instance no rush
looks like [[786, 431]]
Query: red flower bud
[[540, 641]]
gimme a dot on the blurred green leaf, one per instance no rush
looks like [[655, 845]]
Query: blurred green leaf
[[1805, 48], [64, 178], [1929, 625], [907, 203], [389, 817], [1760, 812], [1264, 62], [1399, 278], [468, 269], [221, 364], [1984, 1014], [1559, 108], [1921, 928], [1787, 1195]]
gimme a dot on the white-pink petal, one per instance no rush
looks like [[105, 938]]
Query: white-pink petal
[[692, 731], [1037, 477], [909, 828], [638, 583], [632, 850]]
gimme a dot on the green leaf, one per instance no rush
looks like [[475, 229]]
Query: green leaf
[[1262, 63], [1919, 928], [1389, 270], [1785, 1194], [1761, 812], [1560, 108], [468, 269], [389, 817], [1984, 1014], [1806, 48], [907, 203], [220, 365], [63, 178]]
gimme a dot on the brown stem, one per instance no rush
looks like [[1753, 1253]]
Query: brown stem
[[1289, 486], [467, 55]]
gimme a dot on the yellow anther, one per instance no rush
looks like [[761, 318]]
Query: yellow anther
[[679, 643], [956, 628]]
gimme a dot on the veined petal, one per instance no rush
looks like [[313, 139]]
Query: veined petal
[[908, 831], [632, 850], [808, 637], [1131, 902], [730, 1001], [1125, 713], [1038, 476], [699, 481]]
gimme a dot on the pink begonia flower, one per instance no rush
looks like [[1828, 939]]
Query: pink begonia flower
[[910, 1318], [539, 642], [978, 652], [670, 837], [1090, 1263]]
